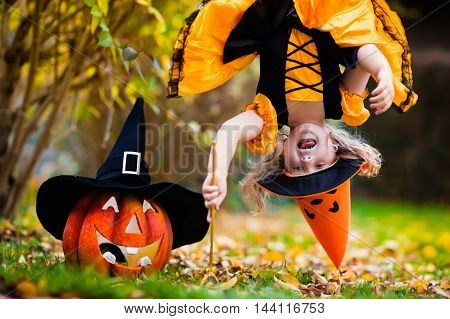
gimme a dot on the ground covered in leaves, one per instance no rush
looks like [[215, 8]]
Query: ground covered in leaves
[[395, 251]]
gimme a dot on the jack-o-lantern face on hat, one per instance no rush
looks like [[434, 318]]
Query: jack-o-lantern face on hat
[[117, 233], [324, 200], [328, 215]]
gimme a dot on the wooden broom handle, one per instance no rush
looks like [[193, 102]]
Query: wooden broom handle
[[212, 209]]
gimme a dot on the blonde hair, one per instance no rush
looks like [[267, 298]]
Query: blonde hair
[[350, 146]]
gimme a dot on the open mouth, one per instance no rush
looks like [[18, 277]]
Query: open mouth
[[306, 143], [125, 255]]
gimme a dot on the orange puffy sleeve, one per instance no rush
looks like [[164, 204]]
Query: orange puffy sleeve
[[265, 142], [353, 111]]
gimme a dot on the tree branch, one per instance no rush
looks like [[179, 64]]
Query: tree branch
[[17, 132], [44, 138]]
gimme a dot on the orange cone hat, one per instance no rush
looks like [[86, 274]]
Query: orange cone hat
[[324, 200], [328, 215]]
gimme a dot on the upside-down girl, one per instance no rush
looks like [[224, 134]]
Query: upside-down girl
[[316, 58]]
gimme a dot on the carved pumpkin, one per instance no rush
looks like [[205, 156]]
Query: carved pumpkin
[[118, 233], [120, 222]]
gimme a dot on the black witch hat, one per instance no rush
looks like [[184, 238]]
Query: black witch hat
[[315, 183], [125, 170]]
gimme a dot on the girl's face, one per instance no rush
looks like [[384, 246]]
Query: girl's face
[[308, 149]]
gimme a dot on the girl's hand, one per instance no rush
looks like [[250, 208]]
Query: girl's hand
[[383, 94], [214, 195]]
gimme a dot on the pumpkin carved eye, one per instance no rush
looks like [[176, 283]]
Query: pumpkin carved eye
[[147, 206], [111, 203], [335, 207], [317, 201]]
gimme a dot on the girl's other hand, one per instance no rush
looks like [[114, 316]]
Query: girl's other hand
[[214, 195], [383, 94]]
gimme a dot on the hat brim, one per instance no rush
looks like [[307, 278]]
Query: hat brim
[[322, 181], [58, 195]]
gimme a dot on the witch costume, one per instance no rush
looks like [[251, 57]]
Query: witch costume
[[126, 170], [304, 46]]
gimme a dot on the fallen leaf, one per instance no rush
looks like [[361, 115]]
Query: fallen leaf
[[191, 265], [445, 284], [228, 284], [349, 276], [390, 248], [439, 291], [334, 275], [419, 285], [291, 280], [316, 278], [272, 255], [294, 252], [6, 224], [368, 277], [380, 290], [286, 285], [333, 287], [315, 290], [236, 263], [225, 263]]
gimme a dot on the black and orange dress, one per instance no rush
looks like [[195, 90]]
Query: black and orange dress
[[304, 46]]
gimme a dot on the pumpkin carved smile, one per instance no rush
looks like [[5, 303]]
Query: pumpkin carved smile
[[125, 255]]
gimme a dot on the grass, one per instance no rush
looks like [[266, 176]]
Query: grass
[[404, 251]]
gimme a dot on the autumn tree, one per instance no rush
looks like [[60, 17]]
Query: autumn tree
[[63, 58]]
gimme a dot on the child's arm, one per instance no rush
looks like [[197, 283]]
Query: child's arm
[[243, 127], [372, 62]]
